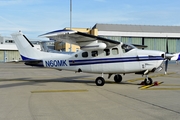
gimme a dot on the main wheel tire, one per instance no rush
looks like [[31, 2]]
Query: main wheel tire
[[148, 81], [100, 81], [118, 78]]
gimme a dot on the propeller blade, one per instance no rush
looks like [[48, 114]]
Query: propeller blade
[[167, 49], [167, 57], [166, 66]]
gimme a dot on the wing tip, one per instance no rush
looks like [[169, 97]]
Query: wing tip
[[57, 32]]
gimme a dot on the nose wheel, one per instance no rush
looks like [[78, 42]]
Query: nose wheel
[[148, 81]]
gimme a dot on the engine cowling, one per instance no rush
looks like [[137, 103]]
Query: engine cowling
[[96, 46]]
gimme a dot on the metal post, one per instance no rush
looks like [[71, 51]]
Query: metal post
[[70, 14], [70, 21]]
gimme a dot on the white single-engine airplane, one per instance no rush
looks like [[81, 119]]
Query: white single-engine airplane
[[97, 55]]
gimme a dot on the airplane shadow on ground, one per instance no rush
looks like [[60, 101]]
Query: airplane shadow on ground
[[39, 82]]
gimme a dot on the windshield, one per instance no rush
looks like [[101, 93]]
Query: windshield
[[127, 47]]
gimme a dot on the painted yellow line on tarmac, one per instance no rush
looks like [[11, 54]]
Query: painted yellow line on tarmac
[[148, 86], [174, 76], [163, 89], [170, 85], [47, 91], [145, 87]]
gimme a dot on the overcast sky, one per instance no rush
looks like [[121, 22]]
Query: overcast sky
[[35, 17]]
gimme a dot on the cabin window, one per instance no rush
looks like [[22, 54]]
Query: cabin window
[[85, 54], [106, 52], [9, 41], [115, 51], [94, 53]]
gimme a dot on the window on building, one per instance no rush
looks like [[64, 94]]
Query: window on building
[[77, 49], [63, 50]]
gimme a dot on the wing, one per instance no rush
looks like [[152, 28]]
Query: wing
[[140, 46], [84, 40]]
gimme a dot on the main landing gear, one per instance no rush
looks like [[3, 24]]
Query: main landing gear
[[100, 80], [117, 78]]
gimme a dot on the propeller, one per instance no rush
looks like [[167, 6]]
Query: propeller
[[167, 57], [166, 61]]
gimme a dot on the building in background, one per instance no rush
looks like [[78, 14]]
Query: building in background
[[9, 51], [154, 37], [61, 46]]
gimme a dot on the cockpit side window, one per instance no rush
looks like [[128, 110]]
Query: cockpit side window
[[126, 47]]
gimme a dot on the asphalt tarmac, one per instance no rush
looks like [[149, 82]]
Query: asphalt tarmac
[[30, 93]]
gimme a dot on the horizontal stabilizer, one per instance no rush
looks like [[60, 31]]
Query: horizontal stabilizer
[[38, 63]]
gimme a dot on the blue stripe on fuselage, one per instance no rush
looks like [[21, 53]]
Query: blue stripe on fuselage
[[178, 57], [113, 60], [26, 58]]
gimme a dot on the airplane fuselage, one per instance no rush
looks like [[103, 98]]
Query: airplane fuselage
[[111, 60]]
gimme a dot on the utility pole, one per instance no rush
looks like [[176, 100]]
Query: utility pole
[[70, 14], [70, 22]]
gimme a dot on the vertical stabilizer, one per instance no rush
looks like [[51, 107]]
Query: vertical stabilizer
[[25, 47]]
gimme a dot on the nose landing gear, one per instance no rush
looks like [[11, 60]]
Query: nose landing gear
[[148, 81]]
